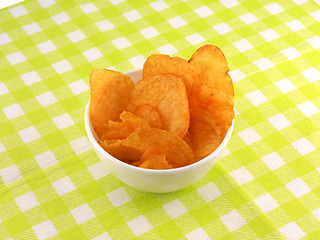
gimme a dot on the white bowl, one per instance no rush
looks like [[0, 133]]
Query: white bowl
[[149, 180]]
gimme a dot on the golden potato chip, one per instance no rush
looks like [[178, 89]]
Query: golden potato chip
[[155, 161], [187, 139], [167, 94], [178, 152], [110, 92], [211, 68], [118, 150], [161, 64], [149, 114], [211, 114], [121, 130]]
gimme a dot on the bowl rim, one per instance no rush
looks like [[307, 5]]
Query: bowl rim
[[93, 141]]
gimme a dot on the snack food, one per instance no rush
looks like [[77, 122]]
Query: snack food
[[177, 114]]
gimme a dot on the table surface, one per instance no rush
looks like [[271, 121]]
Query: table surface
[[266, 186]]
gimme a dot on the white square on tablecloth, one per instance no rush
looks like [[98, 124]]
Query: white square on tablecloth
[[82, 213], [103, 236], [248, 18], [303, 146], [18, 11], [298, 187], [121, 43], [88, 8], [76, 36], [63, 121], [236, 75], [316, 213], [63, 185], [45, 230], [175, 208], [10, 174], [291, 53], [31, 78], [31, 28], [269, 34], [233, 220], [177, 22], [295, 25], [62, 66], [308, 108], [3, 89], [29, 134], [46, 99], [104, 25], [15, 58], [274, 8], [61, 18], [159, 5], [167, 49], [80, 145], [266, 202], [312, 74], [13, 111], [243, 45], [118, 197], [115, 2], [4, 38], [195, 39], [249, 136], [78, 87], [46, 3], [46, 159], [137, 61], [273, 161], [316, 15], [256, 97], [92, 54], [46, 47], [197, 234], [292, 231], [149, 32], [209, 192], [222, 28], [203, 11], [229, 3], [139, 225], [300, 1], [27, 201], [315, 42], [132, 15], [279, 121], [242, 175], [98, 170], [263, 63], [2, 148], [285, 85]]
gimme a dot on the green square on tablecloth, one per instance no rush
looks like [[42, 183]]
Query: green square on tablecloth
[[295, 209], [54, 207], [16, 224], [169, 230], [203, 214]]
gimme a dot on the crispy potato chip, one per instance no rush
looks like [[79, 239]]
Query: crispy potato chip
[[121, 130], [178, 152], [167, 94], [124, 153], [211, 68], [110, 92], [187, 139], [155, 161], [161, 64], [149, 114], [211, 114]]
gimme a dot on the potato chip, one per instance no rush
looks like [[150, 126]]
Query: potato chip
[[167, 94], [155, 161], [211, 67], [110, 92], [178, 152], [161, 64], [211, 114], [187, 139], [149, 114], [124, 153], [121, 130]]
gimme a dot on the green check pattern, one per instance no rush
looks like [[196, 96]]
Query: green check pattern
[[53, 186]]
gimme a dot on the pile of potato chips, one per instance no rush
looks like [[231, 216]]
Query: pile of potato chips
[[177, 114]]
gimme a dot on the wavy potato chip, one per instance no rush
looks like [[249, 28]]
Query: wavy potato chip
[[161, 64], [121, 130], [118, 150], [110, 92], [178, 152], [157, 161], [167, 94], [149, 114], [211, 114], [211, 68]]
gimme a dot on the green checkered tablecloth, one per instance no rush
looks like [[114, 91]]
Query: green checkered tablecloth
[[53, 186]]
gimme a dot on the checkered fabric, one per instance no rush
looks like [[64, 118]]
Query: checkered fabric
[[53, 186]]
